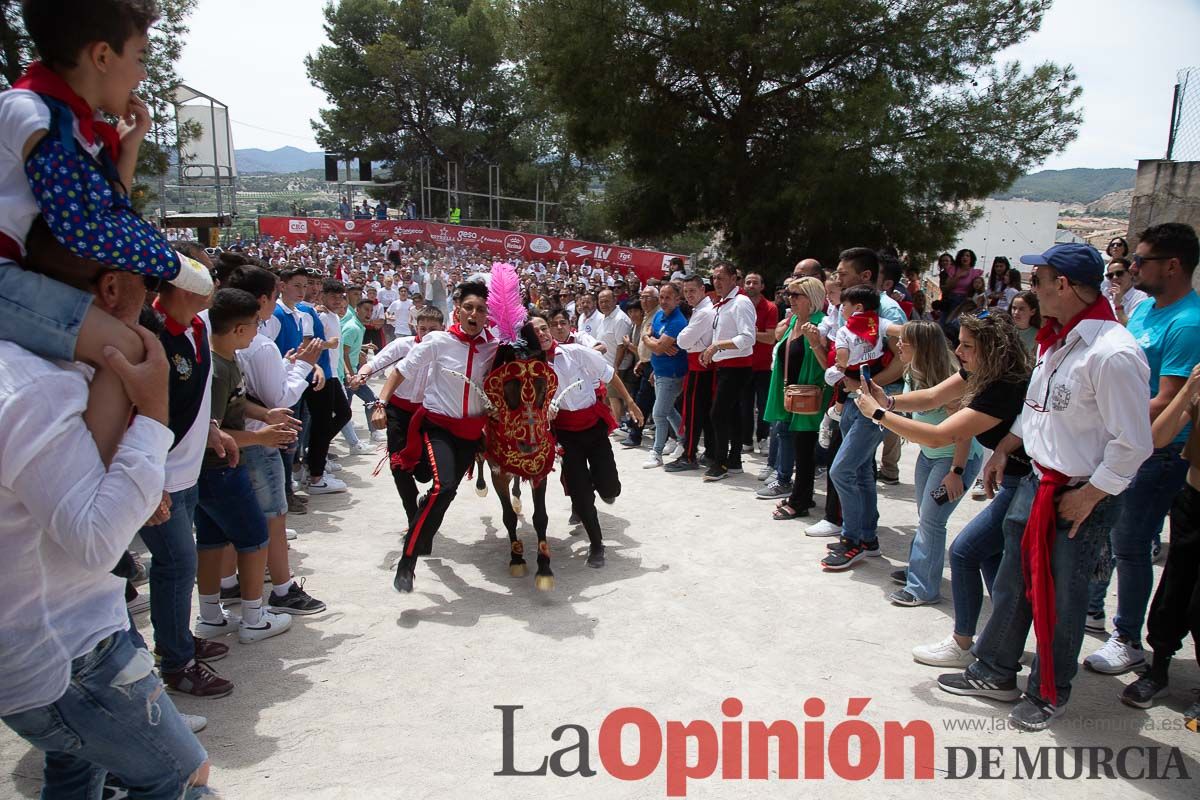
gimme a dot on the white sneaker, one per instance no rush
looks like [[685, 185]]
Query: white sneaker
[[211, 630], [977, 491], [362, 449], [195, 722], [290, 533], [378, 436], [1095, 624], [301, 475], [653, 460], [823, 528], [766, 473], [327, 485], [271, 624], [1116, 657], [332, 466], [825, 433], [945, 653]]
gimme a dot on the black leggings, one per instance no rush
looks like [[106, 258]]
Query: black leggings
[[330, 411], [588, 468], [1175, 610], [448, 458], [806, 470]]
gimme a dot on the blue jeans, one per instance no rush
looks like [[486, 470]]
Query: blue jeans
[[365, 394], [228, 511], [666, 392], [1072, 560], [39, 313], [1144, 507], [974, 554], [927, 554], [114, 717], [172, 576], [781, 452], [853, 474], [264, 467]]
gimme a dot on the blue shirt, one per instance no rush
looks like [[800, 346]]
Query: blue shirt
[[675, 366], [1170, 338], [890, 310]]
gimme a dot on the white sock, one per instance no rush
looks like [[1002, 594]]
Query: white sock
[[282, 589], [230, 582], [210, 607], [251, 611]]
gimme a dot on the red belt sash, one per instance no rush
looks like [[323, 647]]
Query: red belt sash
[[404, 405], [586, 418], [10, 249], [469, 428], [694, 363], [1037, 544], [743, 361]]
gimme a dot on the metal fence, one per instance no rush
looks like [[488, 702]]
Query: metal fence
[[1183, 143]]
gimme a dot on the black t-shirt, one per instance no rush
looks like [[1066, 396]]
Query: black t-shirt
[[1004, 401]]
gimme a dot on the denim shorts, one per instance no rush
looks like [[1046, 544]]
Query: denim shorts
[[228, 511], [39, 313], [114, 717], [265, 466]]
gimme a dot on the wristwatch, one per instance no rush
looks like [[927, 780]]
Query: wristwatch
[[877, 415], [957, 470]]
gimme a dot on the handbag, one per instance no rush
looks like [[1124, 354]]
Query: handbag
[[798, 398]]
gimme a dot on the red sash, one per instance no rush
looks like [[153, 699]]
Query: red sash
[[10, 249], [1037, 544], [470, 428], [404, 405], [586, 418]]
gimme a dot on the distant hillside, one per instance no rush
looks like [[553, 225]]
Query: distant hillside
[[1069, 185], [285, 159]]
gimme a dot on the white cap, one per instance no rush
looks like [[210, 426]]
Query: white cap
[[193, 277]]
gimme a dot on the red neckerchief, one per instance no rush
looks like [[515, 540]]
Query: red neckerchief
[[864, 325], [457, 332], [41, 79], [1050, 334], [552, 351], [732, 294], [175, 329]]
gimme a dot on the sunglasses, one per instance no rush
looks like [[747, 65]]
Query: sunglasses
[[1118, 273], [795, 294], [1139, 260]]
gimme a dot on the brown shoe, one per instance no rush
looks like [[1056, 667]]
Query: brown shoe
[[209, 650], [197, 679], [296, 506]]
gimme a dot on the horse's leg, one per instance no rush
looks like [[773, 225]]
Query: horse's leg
[[480, 484], [545, 577], [516, 560], [516, 494]]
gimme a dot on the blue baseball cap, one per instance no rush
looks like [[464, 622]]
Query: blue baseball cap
[[1080, 263]]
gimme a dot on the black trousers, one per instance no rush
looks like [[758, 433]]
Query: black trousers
[[643, 395], [697, 411], [397, 438], [1175, 610], [330, 411], [833, 504], [448, 458], [754, 406], [806, 470], [726, 418], [588, 469]]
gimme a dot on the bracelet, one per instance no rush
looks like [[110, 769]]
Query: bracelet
[[891, 402]]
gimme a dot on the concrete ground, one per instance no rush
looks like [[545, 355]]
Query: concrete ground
[[704, 598]]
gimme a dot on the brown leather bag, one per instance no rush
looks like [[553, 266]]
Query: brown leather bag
[[798, 398]]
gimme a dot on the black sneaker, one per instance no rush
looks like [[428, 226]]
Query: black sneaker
[[628, 442], [1034, 715], [900, 576], [963, 684], [840, 546], [715, 473], [850, 556], [681, 465], [735, 469], [1144, 691], [296, 601], [903, 597], [889, 481], [231, 595], [707, 461], [595, 558]]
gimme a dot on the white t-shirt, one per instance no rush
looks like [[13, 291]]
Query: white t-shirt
[[388, 296], [401, 311], [612, 331]]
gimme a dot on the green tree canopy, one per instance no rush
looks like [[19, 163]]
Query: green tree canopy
[[801, 127]]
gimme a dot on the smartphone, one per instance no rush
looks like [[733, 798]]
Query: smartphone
[[864, 373], [940, 495]]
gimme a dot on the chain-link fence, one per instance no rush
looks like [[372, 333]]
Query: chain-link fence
[[1184, 141]]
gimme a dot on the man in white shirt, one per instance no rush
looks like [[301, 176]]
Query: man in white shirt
[[72, 681], [732, 352], [399, 313], [614, 329], [588, 319], [701, 377], [1120, 291], [389, 293], [1086, 430]]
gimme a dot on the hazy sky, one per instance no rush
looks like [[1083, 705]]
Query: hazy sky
[[249, 54]]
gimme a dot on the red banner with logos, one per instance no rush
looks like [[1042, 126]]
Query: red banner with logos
[[529, 246]]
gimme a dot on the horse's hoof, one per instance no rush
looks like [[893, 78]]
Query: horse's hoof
[[544, 583], [518, 570], [516, 505], [481, 491], [595, 558]]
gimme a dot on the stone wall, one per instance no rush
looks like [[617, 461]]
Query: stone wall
[[1165, 191]]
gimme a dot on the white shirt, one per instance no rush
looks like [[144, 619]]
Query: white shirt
[[612, 331], [387, 296], [697, 335], [64, 523], [577, 362], [332, 325], [269, 379], [590, 324], [446, 394], [1095, 387], [736, 321], [396, 351], [401, 311], [1130, 301]]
